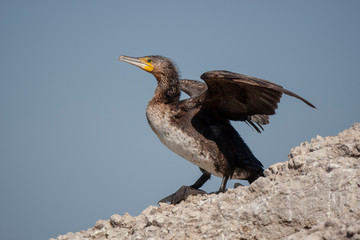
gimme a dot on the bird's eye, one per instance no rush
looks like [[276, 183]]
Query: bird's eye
[[149, 60]]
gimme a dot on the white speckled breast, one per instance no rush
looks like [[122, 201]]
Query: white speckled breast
[[177, 140]]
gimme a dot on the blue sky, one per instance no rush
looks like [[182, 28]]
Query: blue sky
[[75, 145]]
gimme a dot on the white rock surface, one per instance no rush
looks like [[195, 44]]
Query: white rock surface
[[313, 195]]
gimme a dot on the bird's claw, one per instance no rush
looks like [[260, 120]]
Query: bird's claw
[[182, 194]]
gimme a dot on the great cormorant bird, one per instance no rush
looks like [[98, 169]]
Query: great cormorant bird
[[198, 128]]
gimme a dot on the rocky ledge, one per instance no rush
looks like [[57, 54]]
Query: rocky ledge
[[313, 195]]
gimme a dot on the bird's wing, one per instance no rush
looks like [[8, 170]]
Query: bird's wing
[[195, 88], [192, 88], [239, 97]]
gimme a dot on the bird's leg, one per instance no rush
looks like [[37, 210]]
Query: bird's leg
[[223, 184], [203, 179], [186, 191]]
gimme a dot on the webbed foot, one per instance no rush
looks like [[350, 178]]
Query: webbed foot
[[182, 194]]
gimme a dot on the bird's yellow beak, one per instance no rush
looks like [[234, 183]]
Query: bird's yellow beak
[[143, 63]]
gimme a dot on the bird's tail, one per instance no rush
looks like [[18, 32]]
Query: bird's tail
[[255, 176]]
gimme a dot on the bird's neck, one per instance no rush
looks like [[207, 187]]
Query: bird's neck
[[168, 89]]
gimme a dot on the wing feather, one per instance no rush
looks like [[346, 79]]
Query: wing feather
[[192, 88], [237, 95]]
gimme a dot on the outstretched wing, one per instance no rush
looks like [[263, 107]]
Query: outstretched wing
[[236, 96], [195, 88], [192, 88]]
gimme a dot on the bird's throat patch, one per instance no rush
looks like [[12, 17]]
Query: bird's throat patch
[[148, 66]]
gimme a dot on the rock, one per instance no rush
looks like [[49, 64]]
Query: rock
[[313, 195]]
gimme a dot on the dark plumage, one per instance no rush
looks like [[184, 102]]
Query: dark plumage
[[199, 129]]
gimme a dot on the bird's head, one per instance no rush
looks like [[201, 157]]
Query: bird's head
[[159, 66]]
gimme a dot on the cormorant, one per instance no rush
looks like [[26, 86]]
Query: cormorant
[[198, 128]]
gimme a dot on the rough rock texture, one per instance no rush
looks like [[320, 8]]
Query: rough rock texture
[[313, 195]]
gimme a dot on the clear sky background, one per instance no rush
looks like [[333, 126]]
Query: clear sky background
[[75, 145]]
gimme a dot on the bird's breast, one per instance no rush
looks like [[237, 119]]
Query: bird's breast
[[177, 134]]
